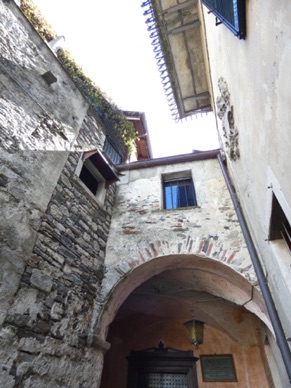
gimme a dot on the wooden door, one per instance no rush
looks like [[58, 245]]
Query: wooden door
[[162, 368]]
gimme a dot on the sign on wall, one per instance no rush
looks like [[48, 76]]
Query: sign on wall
[[218, 368]]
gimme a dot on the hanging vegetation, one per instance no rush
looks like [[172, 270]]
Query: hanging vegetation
[[35, 17]]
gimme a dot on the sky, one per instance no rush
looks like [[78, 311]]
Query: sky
[[109, 39]]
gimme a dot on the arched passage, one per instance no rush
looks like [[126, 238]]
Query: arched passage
[[208, 275], [153, 300]]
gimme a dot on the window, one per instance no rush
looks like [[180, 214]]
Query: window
[[279, 225], [92, 179], [231, 13], [111, 151], [95, 173], [178, 191]]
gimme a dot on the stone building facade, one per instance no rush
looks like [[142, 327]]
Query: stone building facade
[[254, 128], [161, 263], [245, 61], [53, 229]]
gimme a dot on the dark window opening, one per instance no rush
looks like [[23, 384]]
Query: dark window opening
[[179, 193], [89, 179], [279, 226]]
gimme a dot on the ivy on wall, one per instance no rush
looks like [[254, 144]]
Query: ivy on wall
[[110, 114], [35, 17]]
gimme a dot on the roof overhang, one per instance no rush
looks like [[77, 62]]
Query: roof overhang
[[142, 142], [178, 40]]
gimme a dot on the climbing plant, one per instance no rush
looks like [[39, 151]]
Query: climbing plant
[[35, 17], [109, 113]]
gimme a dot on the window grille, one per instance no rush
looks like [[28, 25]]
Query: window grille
[[166, 380], [279, 226], [111, 151], [231, 13], [179, 193]]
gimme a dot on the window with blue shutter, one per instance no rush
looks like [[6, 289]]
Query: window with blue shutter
[[231, 13], [111, 151], [179, 193]]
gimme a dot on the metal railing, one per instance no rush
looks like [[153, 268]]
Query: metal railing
[[231, 13]]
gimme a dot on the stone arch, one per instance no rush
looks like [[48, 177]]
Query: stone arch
[[225, 281]]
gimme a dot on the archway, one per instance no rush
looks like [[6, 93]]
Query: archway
[[151, 303]]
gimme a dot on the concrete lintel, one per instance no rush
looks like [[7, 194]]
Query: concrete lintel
[[96, 342]]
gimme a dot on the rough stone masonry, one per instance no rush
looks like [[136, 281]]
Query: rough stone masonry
[[53, 231]]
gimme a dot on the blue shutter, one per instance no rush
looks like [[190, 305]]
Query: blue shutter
[[232, 13], [179, 193]]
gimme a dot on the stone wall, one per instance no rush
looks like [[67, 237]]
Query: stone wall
[[147, 242], [34, 114], [53, 231], [53, 240], [142, 232], [35, 119], [48, 323]]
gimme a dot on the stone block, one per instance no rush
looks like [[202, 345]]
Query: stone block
[[41, 280], [57, 311]]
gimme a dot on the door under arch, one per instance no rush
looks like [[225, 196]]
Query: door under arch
[[157, 309], [162, 367]]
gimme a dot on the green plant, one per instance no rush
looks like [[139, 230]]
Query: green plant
[[109, 113], [35, 17]]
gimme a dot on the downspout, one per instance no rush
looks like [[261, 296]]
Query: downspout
[[273, 314]]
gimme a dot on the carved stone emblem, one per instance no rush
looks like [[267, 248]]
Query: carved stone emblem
[[225, 113]]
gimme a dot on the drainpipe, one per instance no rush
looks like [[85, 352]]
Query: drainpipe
[[273, 314]]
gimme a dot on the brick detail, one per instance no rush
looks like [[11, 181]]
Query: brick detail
[[203, 247]]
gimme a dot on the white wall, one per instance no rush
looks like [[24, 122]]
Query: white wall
[[257, 73]]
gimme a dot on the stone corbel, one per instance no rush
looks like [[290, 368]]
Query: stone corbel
[[226, 115], [95, 341]]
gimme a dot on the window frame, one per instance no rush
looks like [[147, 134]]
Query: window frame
[[277, 199], [238, 25], [161, 360], [175, 177], [101, 189], [111, 150]]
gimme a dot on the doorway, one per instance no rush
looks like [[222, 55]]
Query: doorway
[[162, 367]]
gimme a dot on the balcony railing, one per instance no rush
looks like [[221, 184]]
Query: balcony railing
[[231, 13]]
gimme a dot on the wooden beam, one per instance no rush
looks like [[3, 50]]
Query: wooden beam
[[179, 6], [200, 96], [184, 27]]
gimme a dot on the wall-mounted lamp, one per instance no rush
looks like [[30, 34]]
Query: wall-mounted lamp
[[195, 331]]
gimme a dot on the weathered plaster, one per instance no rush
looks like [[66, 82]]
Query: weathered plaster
[[256, 74], [142, 230], [145, 240]]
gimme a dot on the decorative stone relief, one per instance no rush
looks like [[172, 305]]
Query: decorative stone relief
[[225, 113]]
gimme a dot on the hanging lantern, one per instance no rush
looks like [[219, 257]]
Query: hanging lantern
[[195, 331]]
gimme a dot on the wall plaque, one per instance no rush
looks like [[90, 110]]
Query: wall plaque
[[218, 368]]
